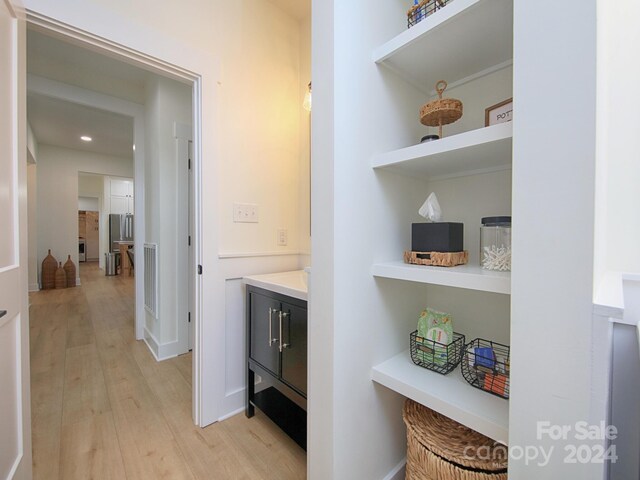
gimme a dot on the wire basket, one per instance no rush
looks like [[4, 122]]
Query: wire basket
[[423, 9], [486, 366], [435, 356]]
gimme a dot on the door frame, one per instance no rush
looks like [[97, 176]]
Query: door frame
[[104, 46]]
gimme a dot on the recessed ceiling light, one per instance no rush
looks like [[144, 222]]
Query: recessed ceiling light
[[86, 138], [134, 147]]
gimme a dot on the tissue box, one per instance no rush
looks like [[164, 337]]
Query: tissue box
[[437, 237]]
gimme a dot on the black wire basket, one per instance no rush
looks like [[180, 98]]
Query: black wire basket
[[486, 366], [435, 356], [419, 12]]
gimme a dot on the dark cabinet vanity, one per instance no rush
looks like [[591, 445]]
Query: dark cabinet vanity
[[277, 353]]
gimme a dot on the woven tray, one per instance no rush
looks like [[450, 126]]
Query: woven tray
[[441, 448], [438, 259]]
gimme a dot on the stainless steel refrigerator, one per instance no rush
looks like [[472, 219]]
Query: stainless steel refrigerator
[[120, 230]]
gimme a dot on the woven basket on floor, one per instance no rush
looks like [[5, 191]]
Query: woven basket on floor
[[61, 277], [439, 448], [70, 272], [49, 267]]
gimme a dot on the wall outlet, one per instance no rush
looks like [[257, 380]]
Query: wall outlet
[[282, 237], [245, 213]]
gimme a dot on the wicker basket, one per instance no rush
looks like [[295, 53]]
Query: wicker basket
[[438, 259], [61, 277], [70, 271], [442, 111], [49, 267], [439, 448]]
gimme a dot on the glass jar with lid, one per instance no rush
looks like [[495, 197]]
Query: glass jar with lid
[[495, 243]]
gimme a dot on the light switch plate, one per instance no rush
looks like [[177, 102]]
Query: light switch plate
[[282, 237], [245, 213]]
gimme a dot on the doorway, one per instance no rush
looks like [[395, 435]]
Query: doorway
[[160, 195]]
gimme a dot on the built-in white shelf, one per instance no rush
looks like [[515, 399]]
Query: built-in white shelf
[[472, 277], [482, 150], [461, 40], [449, 395]]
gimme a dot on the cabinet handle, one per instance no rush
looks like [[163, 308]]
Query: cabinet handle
[[270, 334], [282, 345], [272, 340]]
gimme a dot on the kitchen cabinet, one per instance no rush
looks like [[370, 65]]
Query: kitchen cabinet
[[121, 196], [277, 352]]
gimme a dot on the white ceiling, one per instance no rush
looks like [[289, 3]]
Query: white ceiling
[[60, 123], [298, 9]]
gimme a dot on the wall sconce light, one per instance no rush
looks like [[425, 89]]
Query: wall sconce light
[[306, 104]]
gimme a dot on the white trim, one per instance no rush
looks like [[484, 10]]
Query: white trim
[[231, 414], [254, 254], [160, 351], [34, 287], [398, 472]]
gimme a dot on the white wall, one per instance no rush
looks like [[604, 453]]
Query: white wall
[[32, 228], [32, 210], [57, 193], [618, 170], [89, 203], [261, 97], [304, 201], [553, 227], [166, 199]]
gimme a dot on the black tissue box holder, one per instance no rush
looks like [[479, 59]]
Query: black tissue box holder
[[437, 237]]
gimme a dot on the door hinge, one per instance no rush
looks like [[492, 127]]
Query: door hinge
[[189, 317], [199, 269], [189, 240]]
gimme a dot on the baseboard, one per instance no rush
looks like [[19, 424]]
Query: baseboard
[[78, 283], [231, 414], [34, 287], [161, 351], [152, 343], [398, 472]]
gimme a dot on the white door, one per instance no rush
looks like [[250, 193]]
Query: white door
[[15, 427]]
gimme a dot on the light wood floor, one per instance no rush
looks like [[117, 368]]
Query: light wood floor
[[103, 408]]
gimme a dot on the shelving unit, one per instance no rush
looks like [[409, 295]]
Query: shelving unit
[[478, 151], [462, 42], [472, 277], [449, 395], [458, 42]]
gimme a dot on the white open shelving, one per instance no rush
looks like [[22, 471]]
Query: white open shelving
[[476, 151], [449, 395], [472, 277], [460, 41]]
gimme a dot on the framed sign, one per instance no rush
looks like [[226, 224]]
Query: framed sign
[[499, 113]]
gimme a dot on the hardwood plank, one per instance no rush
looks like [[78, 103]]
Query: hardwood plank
[[90, 449], [85, 391]]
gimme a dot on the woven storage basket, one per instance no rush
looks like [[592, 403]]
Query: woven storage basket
[[70, 272], [439, 448], [49, 267], [442, 111], [61, 277]]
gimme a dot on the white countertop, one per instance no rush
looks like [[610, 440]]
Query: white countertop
[[292, 284]]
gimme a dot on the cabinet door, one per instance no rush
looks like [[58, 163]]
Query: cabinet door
[[294, 347], [120, 188], [119, 204], [263, 326]]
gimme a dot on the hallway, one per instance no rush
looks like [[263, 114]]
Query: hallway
[[103, 408]]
